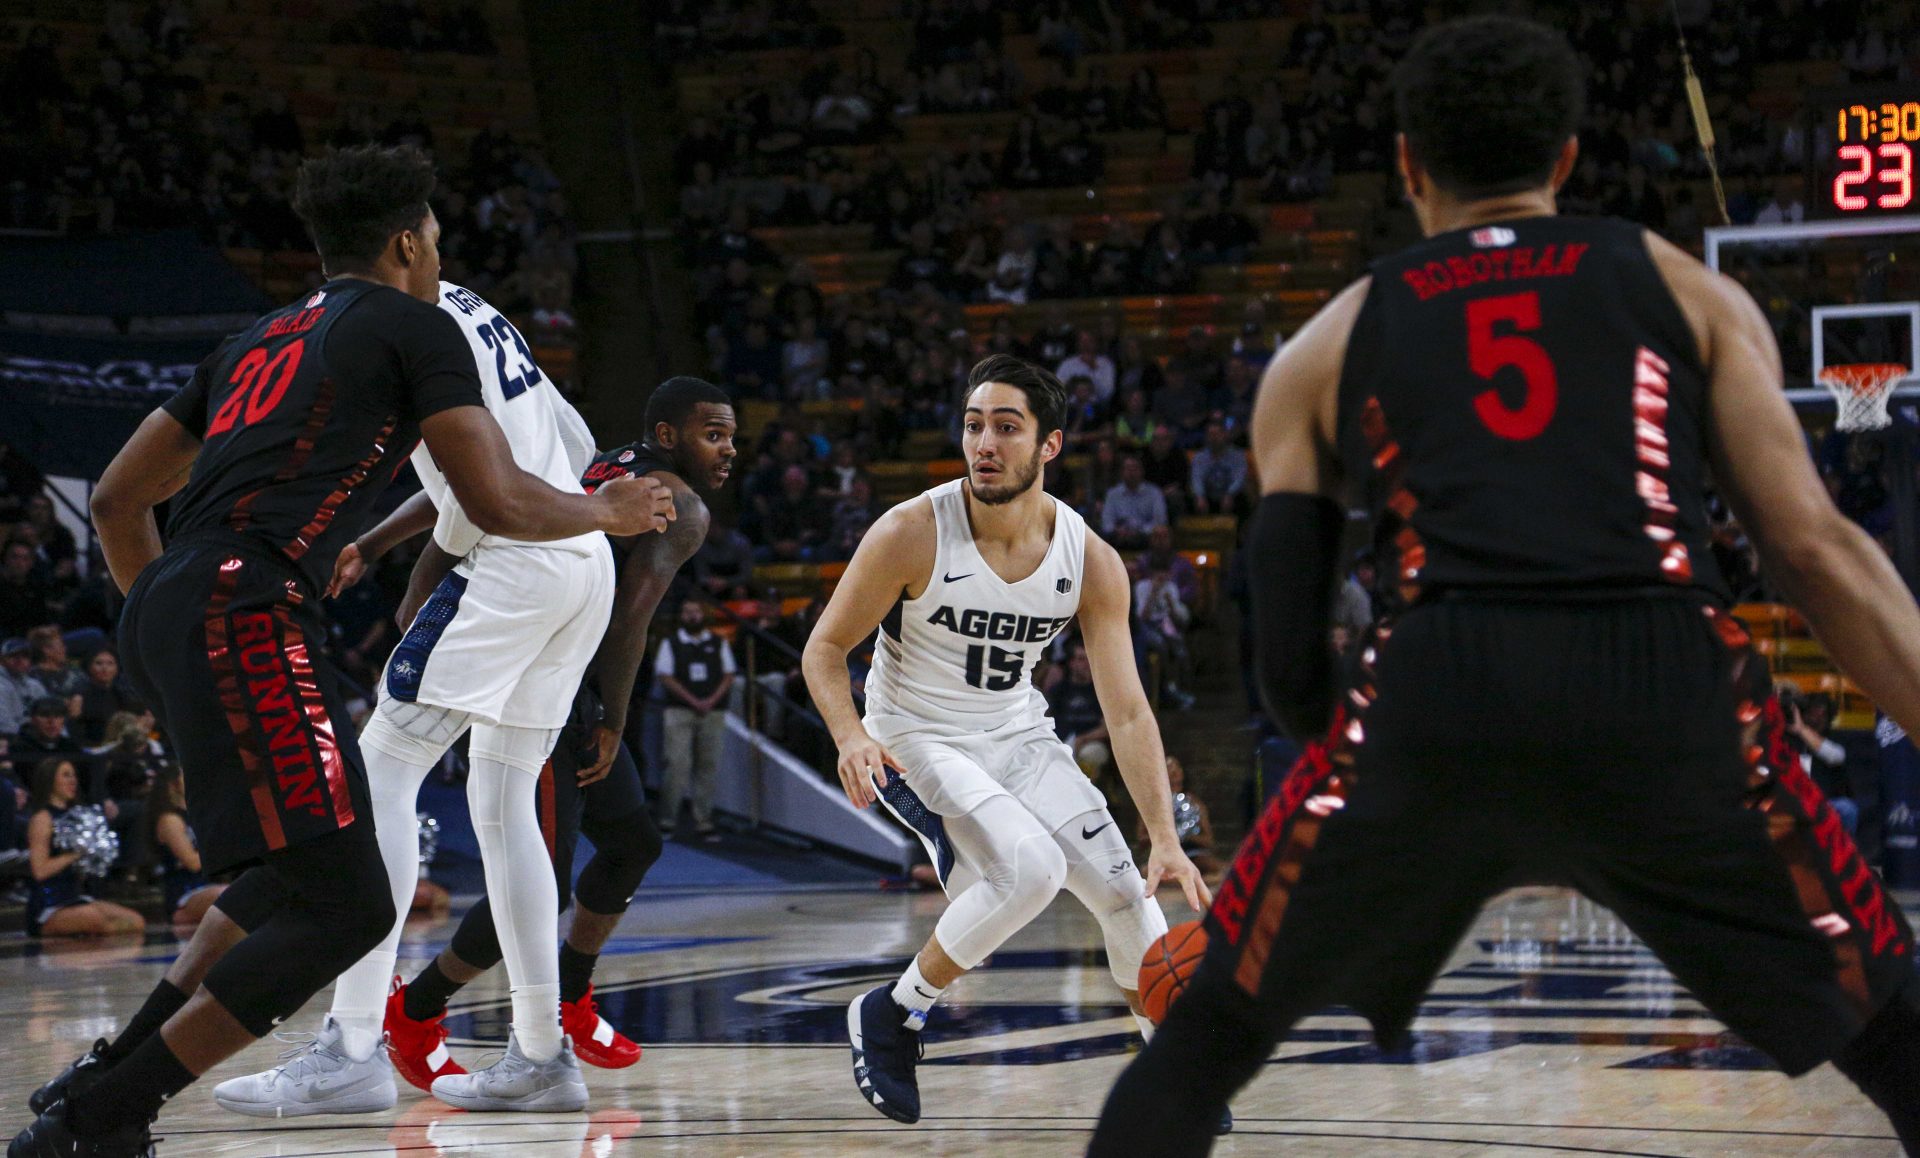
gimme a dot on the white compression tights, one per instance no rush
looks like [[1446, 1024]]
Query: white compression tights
[[501, 789], [1102, 876], [401, 744]]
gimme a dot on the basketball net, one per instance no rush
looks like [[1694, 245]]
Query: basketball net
[[1861, 390]]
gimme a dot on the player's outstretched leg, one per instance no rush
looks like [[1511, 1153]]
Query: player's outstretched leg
[[1017, 869], [539, 1071], [345, 1071], [1101, 875]]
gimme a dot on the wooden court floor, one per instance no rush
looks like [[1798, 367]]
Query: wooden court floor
[[1551, 1032]]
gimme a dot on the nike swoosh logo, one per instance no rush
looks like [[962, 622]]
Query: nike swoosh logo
[[1090, 833], [956, 578], [925, 994]]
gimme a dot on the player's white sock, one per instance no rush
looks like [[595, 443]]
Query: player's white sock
[[1146, 1027], [915, 994], [399, 751], [502, 787]]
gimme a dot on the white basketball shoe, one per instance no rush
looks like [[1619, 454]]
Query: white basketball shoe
[[517, 1083], [316, 1077]]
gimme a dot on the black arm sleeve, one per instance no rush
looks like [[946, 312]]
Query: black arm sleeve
[[1296, 545]]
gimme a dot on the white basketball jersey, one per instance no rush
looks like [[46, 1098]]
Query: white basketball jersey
[[545, 433], [964, 651]]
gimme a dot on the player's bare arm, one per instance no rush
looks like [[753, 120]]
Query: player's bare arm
[[895, 556], [413, 517], [1298, 525], [1847, 588], [504, 500], [1130, 721], [151, 468], [651, 565]]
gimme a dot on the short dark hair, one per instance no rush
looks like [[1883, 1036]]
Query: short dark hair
[[673, 401], [1045, 396], [49, 706], [1487, 102], [355, 200]]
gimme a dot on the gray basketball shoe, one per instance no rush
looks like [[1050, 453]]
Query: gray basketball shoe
[[515, 1083], [316, 1077]]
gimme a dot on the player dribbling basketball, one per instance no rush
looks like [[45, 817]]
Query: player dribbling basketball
[[979, 574]]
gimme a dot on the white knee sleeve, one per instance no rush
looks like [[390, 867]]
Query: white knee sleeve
[[501, 788], [1020, 870], [415, 733], [1102, 876], [524, 748]]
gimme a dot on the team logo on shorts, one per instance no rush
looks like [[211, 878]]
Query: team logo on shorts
[[1063, 586], [404, 669]]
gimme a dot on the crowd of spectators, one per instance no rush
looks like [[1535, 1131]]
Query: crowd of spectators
[[129, 135]]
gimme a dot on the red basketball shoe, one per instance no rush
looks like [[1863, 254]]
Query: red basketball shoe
[[595, 1041], [418, 1048]]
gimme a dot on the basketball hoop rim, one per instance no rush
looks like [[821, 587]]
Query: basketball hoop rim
[[1861, 392]]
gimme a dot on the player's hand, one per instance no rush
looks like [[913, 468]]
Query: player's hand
[[1169, 863], [347, 570], [605, 745], [637, 504], [863, 770]]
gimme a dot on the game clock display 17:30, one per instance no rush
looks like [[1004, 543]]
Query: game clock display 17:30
[[1868, 161]]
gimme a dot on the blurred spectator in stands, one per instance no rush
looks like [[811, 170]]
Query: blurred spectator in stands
[[1219, 155], [1220, 233], [1023, 159], [1782, 208], [805, 359], [1113, 266], [1134, 371], [1233, 403], [723, 566], [1088, 361], [1256, 341], [695, 668], [103, 696], [1062, 264], [798, 297], [18, 688], [20, 480], [844, 468], [1161, 629], [56, 673], [1013, 271], [1133, 507], [1219, 474], [1102, 475], [1200, 359], [1353, 602], [795, 527], [1142, 107], [853, 513], [754, 363], [45, 734], [703, 203], [841, 115], [1168, 268], [1077, 718], [1160, 555], [1166, 467], [125, 759], [922, 262], [700, 144], [25, 601], [1809, 719], [733, 240], [1133, 427], [1086, 418], [53, 539], [1183, 404]]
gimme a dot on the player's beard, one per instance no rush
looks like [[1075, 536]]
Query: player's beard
[[1022, 480]]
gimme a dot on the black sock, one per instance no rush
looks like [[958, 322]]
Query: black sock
[[1884, 1061], [576, 971], [428, 994], [162, 1003], [132, 1092]]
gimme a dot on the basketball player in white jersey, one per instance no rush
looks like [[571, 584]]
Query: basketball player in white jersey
[[980, 573], [499, 648]]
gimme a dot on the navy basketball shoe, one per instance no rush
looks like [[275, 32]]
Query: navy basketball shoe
[[885, 1052]]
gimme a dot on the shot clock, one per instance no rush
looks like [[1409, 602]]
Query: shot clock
[[1863, 159]]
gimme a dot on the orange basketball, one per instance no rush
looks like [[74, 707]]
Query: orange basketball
[[1168, 966]]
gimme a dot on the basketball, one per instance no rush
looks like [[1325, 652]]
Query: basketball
[[1167, 967]]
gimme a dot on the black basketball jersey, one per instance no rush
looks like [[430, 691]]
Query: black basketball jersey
[[1523, 406], [306, 417]]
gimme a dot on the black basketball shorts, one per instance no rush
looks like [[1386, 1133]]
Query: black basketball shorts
[[220, 640], [1601, 744]]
